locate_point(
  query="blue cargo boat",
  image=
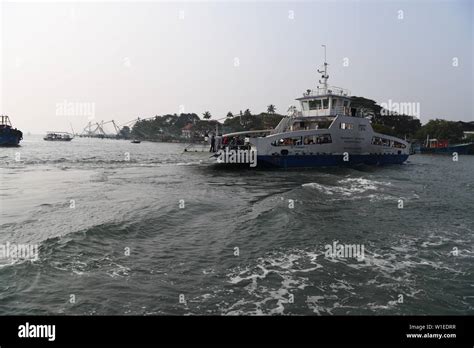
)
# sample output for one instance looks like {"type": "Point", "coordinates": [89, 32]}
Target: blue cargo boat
{"type": "Point", "coordinates": [9, 136]}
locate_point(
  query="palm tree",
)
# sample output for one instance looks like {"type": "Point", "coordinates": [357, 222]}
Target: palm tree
{"type": "Point", "coordinates": [206, 115]}
{"type": "Point", "coordinates": [271, 109]}
{"type": "Point", "coordinates": [230, 115]}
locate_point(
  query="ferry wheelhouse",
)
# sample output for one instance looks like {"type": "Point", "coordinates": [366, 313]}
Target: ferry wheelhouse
{"type": "Point", "coordinates": [327, 131]}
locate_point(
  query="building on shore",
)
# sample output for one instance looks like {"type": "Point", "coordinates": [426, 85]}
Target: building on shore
{"type": "Point", "coordinates": [187, 131]}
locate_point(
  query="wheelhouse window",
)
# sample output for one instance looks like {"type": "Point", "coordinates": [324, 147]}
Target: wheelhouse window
{"type": "Point", "coordinates": [344, 125]}
{"type": "Point", "coordinates": [287, 141]}
{"type": "Point", "coordinates": [315, 104]}
{"type": "Point", "coordinates": [317, 139]}
{"type": "Point", "coordinates": [325, 103]}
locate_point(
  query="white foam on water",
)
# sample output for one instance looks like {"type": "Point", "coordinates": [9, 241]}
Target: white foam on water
{"type": "Point", "coordinates": [349, 186]}
{"type": "Point", "coordinates": [325, 189]}
{"type": "Point", "coordinates": [246, 274]}
{"type": "Point", "coordinates": [119, 271]}
{"type": "Point", "coordinates": [364, 184]}
{"type": "Point", "coordinates": [11, 262]}
{"type": "Point", "coordinates": [377, 197]}
{"type": "Point", "coordinates": [268, 297]}
{"type": "Point", "coordinates": [315, 303]}
{"type": "Point", "coordinates": [194, 163]}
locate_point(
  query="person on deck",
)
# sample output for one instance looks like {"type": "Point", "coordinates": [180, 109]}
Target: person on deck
{"type": "Point", "coordinates": [213, 144]}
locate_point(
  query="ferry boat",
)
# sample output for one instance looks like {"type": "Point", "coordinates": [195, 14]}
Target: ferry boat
{"type": "Point", "coordinates": [327, 131]}
{"type": "Point", "coordinates": [9, 136]}
{"type": "Point", "coordinates": [58, 136]}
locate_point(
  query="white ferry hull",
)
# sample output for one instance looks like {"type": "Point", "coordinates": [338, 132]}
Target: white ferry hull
{"type": "Point", "coordinates": [332, 146]}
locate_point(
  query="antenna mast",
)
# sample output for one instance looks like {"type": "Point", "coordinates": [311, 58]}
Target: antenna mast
{"type": "Point", "coordinates": [324, 72]}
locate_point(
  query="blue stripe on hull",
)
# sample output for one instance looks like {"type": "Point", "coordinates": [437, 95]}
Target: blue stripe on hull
{"type": "Point", "coordinates": [309, 161]}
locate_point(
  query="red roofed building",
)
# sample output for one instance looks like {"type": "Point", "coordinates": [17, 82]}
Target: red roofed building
{"type": "Point", "coordinates": [187, 130]}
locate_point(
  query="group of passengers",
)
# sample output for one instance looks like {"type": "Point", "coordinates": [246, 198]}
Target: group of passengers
{"type": "Point", "coordinates": [319, 140]}
{"type": "Point", "coordinates": [380, 141]}
{"type": "Point", "coordinates": [230, 142]}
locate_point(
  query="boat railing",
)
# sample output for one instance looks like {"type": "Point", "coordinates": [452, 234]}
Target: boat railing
{"type": "Point", "coordinates": [5, 121]}
{"type": "Point", "coordinates": [341, 110]}
{"type": "Point", "coordinates": [333, 90]}
{"type": "Point", "coordinates": [282, 126]}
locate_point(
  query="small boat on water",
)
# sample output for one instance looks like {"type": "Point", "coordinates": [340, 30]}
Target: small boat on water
{"type": "Point", "coordinates": [58, 136]}
{"type": "Point", "coordinates": [326, 132]}
{"type": "Point", "coordinates": [442, 146]}
{"type": "Point", "coordinates": [9, 136]}
{"type": "Point", "coordinates": [135, 141]}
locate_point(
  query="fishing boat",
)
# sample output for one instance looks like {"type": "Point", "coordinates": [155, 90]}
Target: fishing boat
{"type": "Point", "coordinates": [327, 131]}
{"type": "Point", "coordinates": [9, 136]}
{"type": "Point", "coordinates": [58, 136]}
{"type": "Point", "coordinates": [442, 146]}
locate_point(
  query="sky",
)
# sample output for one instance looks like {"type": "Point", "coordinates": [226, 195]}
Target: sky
{"type": "Point", "coordinates": [67, 63]}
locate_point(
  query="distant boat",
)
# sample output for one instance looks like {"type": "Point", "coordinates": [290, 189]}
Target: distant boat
{"type": "Point", "coordinates": [58, 136]}
{"type": "Point", "coordinates": [135, 141]}
{"type": "Point", "coordinates": [442, 146]}
{"type": "Point", "coordinates": [9, 136]}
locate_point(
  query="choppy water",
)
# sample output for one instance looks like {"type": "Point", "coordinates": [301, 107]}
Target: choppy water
{"type": "Point", "coordinates": [281, 267]}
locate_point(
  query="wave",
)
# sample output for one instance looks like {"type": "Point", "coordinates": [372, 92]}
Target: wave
{"type": "Point", "coordinates": [348, 187]}
{"type": "Point", "coordinates": [274, 278]}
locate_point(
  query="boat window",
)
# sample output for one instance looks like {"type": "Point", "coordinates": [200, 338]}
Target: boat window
{"type": "Point", "coordinates": [287, 141]}
{"type": "Point", "coordinates": [344, 125]}
{"type": "Point", "coordinates": [305, 105]}
{"type": "Point", "coordinates": [321, 125]}
{"type": "Point", "coordinates": [377, 141]}
{"type": "Point", "coordinates": [317, 139]}
{"type": "Point", "coordinates": [380, 141]}
{"type": "Point", "coordinates": [362, 127]}
{"type": "Point", "coordinates": [346, 103]}
{"type": "Point", "coordinates": [335, 102]}
{"type": "Point", "coordinates": [325, 103]}
{"type": "Point", "coordinates": [315, 104]}
{"type": "Point", "coordinates": [399, 145]}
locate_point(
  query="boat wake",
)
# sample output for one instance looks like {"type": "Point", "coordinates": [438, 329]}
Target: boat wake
{"type": "Point", "coordinates": [352, 187]}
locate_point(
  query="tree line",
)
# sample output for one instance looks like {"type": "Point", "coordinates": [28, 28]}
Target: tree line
{"type": "Point", "coordinates": [169, 127]}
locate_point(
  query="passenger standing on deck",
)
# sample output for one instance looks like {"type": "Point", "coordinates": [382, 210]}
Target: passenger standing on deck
{"type": "Point", "coordinates": [213, 144]}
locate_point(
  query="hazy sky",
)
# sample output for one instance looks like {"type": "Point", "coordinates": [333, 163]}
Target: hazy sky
{"type": "Point", "coordinates": [127, 59]}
